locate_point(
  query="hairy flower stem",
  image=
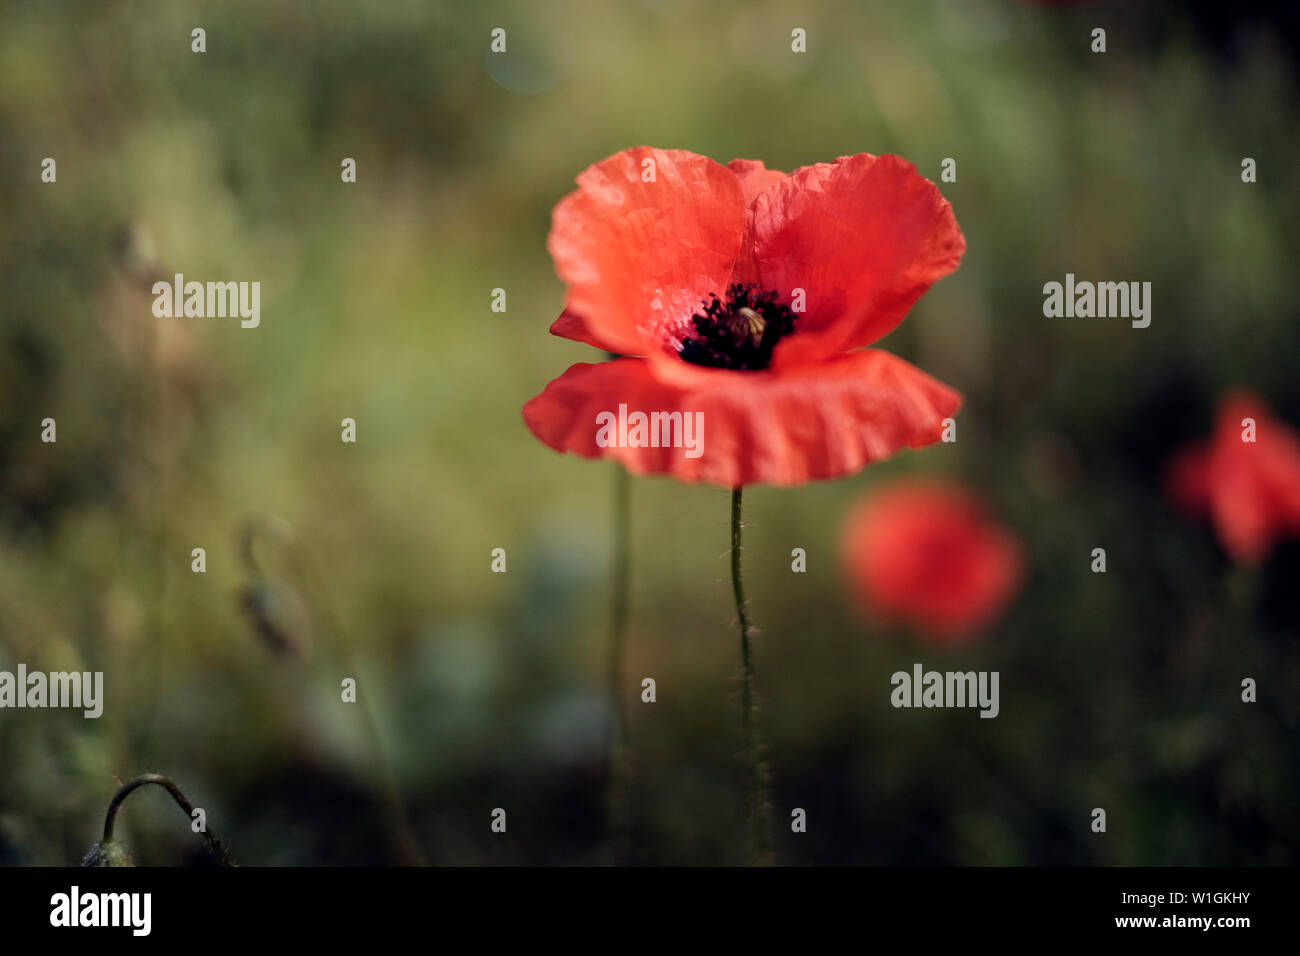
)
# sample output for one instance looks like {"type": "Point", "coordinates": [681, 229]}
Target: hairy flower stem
{"type": "Point", "coordinates": [758, 803]}
{"type": "Point", "coordinates": [181, 800]}
{"type": "Point", "coordinates": [617, 809]}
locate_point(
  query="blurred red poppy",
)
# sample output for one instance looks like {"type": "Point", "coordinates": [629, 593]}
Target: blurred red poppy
{"type": "Point", "coordinates": [925, 553]}
{"type": "Point", "coordinates": [746, 296]}
{"type": "Point", "coordinates": [1246, 477]}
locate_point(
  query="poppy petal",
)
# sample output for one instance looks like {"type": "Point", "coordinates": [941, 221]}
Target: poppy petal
{"type": "Point", "coordinates": [1255, 491]}
{"type": "Point", "coordinates": [1243, 518]}
{"type": "Point", "coordinates": [1247, 476]}
{"type": "Point", "coordinates": [639, 257]}
{"type": "Point", "coordinates": [780, 428]}
{"type": "Point", "coordinates": [570, 326]}
{"type": "Point", "coordinates": [754, 177]}
{"type": "Point", "coordinates": [863, 237]}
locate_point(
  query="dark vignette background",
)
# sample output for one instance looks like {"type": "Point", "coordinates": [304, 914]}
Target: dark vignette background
{"type": "Point", "coordinates": [483, 690]}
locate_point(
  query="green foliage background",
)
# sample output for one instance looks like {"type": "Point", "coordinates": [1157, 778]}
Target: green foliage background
{"type": "Point", "coordinates": [481, 690]}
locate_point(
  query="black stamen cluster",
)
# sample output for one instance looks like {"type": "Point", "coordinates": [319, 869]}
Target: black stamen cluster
{"type": "Point", "coordinates": [725, 337]}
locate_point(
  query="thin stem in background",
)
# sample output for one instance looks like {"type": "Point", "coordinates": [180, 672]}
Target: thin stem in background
{"type": "Point", "coordinates": [617, 808]}
{"type": "Point", "coordinates": [758, 803]}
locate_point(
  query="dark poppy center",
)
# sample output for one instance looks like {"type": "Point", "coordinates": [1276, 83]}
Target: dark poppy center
{"type": "Point", "coordinates": [738, 332]}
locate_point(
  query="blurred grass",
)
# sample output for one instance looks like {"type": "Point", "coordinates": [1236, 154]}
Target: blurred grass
{"type": "Point", "coordinates": [1119, 691]}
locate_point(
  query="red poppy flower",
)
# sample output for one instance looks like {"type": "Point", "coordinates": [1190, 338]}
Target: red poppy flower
{"type": "Point", "coordinates": [745, 297]}
{"type": "Point", "coordinates": [1250, 489]}
{"type": "Point", "coordinates": [925, 553]}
